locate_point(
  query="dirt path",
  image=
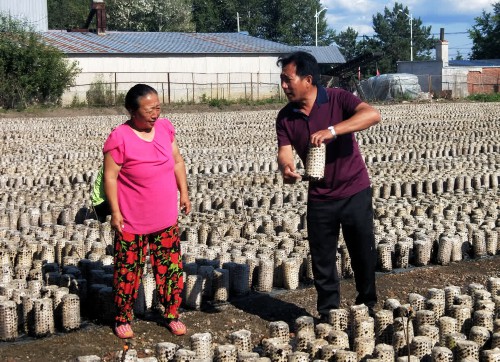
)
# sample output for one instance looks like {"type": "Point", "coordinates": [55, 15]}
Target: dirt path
{"type": "Point", "coordinates": [252, 312]}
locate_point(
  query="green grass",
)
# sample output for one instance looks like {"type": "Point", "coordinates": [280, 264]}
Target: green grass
{"type": "Point", "coordinates": [221, 103]}
{"type": "Point", "coordinates": [483, 97]}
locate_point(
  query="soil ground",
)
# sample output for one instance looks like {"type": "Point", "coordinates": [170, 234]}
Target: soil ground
{"type": "Point", "coordinates": [252, 312]}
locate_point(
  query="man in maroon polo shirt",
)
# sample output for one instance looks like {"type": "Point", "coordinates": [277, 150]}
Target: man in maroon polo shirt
{"type": "Point", "coordinates": [316, 115]}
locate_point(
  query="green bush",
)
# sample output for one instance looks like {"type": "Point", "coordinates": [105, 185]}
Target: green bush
{"type": "Point", "coordinates": [100, 94]}
{"type": "Point", "coordinates": [76, 103]}
{"type": "Point", "coordinates": [218, 103]}
{"type": "Point", "coordinates": [30, 71]}
{"type": "Point", "coordinates": [120, 99]}
{"type": "Point", "coordinates": [483, 97]}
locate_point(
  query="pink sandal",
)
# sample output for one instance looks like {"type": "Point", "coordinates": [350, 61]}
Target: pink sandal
{"type": "Point", "coordinates": [176, 327]}
{"type": "Point", "coordinates": [124, 331]}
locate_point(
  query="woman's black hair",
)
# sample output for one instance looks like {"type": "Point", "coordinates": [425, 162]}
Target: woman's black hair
{"type": "Point", "coordinates": [136, 92]}
{"type": "Point", "coordinates": [305, 62]}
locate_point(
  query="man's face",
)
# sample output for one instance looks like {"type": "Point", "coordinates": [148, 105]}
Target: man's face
{"type": "Point", "coordinates": [294, 86]}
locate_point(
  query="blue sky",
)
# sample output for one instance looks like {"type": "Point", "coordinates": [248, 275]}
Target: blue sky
{"type": "Point", "coordinates": [455, 16]}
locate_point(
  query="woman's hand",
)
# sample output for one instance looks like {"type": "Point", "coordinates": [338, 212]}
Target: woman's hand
{"type": "Point", "coordinates": [117, 221]}
{"type": "Point", "coordinates": [185, 204]}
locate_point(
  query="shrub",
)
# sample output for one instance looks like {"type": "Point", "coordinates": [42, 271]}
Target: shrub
{"type": "Point", "coordinates": [219, 103]}
{"type": "Point", "coordinates": [31, 72]}
{"type": "Point", "coordinates": [100, 94]}
{"type": "Point", "coordinates": [485, 97]}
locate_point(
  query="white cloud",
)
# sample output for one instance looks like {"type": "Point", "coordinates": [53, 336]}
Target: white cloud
{"type": "Point", "coordinates": [352, 7]}
{"type": "Point", "coordinates": [458, 6]}
{"type": "Point", "coordinates": [456, 16]}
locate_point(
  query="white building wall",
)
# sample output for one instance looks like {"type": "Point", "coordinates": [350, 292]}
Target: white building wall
{"type": "Point", "coordinates": [33, 11]}
{"type": "Point", "coordinates": [180, 78]}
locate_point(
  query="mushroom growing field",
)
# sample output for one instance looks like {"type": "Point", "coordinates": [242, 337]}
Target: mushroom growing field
{"type": "Point", "coordinates": [435, 171]}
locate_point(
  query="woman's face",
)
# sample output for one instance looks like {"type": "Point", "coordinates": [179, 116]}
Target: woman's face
{"type": "Point", "coordinates": [145, 116]}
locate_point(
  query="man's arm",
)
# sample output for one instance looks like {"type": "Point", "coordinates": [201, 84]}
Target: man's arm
{"type": "Point", "coordinates": [286, 164]}
{"type": "Point", "coordinates": [364, 117]}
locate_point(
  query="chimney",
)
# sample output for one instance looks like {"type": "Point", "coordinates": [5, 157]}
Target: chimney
{"type": "Point", "coordinates": [442, 49]}
{"type": "Point", "coordinates": [98, 9]}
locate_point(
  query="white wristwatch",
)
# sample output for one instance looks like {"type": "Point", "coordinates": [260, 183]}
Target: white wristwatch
{"type": "Point", "coordinates": [332, 129]}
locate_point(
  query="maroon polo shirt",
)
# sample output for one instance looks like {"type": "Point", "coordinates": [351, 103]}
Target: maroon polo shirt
{"type": "Point", "coordinates": [345, 170]}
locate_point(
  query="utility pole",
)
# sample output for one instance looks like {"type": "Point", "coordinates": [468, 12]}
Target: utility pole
{"type": "Point", "coordinates": [410, 17]}
{"type": "Point", "coordinates": [317, 21]}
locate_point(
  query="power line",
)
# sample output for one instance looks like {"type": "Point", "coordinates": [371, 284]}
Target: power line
{"type": "Point", "coordinates": [446, 33]}
{"type": "Point", "coordinates": [453, 33]}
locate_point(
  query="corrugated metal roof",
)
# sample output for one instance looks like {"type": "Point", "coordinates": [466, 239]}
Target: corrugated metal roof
{"type": "Point", "coordinates": [162, 43]}
{"type": "Point", "coordinates": [326, 54]}
{"type": "Point", "coordinates": [475, 63]}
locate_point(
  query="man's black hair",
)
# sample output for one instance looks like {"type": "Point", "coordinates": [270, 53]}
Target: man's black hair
{"type": "Point", "coordinates": [305, 62]}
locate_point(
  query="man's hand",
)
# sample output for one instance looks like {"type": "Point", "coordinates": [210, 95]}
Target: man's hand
{"type": "Point", "coordinates": [289, 175]}
{"type": "Point", "coordinates": [321, 136]}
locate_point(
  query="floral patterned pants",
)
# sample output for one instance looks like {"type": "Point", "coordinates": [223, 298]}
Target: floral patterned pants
{"type": "Point", "coordinates": [129, 259]}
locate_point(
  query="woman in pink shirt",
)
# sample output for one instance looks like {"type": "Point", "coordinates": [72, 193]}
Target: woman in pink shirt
{"type": "Point", "coordinates": [143, 170]}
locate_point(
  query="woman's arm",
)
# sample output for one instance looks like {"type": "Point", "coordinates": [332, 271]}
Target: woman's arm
{"type": "Point", "coordinates": [111, 170]}
{"type": "Point", "coordinates": [181, 179]}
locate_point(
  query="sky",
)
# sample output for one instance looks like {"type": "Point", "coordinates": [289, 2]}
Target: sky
{"type": "Point", "coordinates": [455, 16]}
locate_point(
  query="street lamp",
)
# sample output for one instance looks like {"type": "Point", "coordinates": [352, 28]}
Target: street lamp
{"type": "Point", "coordinates": [411, 33]}
{"type": "Point", "coordinates": [317, 21]}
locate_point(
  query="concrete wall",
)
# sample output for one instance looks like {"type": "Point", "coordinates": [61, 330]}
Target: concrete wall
{"type": "Point", "coordinates": [434, 78]}
{"type": "Point", "coordinates": [428, 72]}
{"type": "Point", "coordinates": [455, 81]}
{"type": "Point", "coordinates": [180, 78]}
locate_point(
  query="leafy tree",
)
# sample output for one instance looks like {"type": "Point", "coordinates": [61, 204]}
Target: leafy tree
{"type": "Point", "coordinates": [393, 37]}
{"type": "Point", "coordinates": [294, 23]}
{"type": "Point", "coordinates": [67, 14]}
{"type": "Point", "coordinates": [30, 71]}
{"type": "Point", "coordinates": [459, 56]}
{"type": "Point", "coordinates": [485, 35]}
{"type": "Point", "coordinates": [348, 44]}
{"type": "Point", "coordinates": [149, 15]}
{"type": "Point", "coordinates": [215, 16]}
{"type": "Point", "coordinates": [285, 21]}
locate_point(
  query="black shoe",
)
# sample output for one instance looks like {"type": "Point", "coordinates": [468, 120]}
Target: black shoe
{"type": "Point", "coordinates": [371, 312]}
{"type": "Point", "coordinates": [323, 318]}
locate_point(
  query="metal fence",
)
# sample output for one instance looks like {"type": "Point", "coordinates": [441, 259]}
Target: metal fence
{"type": "Point", "coordinates": [180, 87]}
{"type": "Point", "coordinates": [192, 87]}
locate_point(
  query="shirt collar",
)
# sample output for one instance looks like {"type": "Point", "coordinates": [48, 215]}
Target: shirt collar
{"type": "Point", "coordinates": [321, 98]}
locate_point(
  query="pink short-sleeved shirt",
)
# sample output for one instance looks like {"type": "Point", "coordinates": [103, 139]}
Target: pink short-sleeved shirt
{"type": "Point", "coordinates": [147, 189]}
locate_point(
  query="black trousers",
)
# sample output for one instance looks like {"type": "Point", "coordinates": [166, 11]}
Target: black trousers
{"type": "Point", "coordinates": [324, 219]}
